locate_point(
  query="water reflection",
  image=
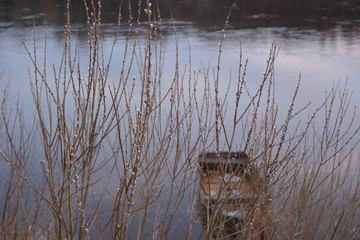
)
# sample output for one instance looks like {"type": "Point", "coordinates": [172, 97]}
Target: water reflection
{"type": "Point", "coordinates": [323, 57]}
{"type": "Point", "coordinates": [245, 13]}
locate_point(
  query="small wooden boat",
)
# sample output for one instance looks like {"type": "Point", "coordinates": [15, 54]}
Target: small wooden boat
{"type": "Point", "coordinates": [227, 195]}
{"type": "Point", "coordinates": [223, 180]}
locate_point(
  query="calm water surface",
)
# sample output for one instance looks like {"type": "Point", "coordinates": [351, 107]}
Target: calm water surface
{"type": "Point", "coordinates": [322, 45]}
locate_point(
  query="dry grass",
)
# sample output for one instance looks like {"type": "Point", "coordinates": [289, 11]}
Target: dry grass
{"type": "Point", "coordinates": [108, 159]}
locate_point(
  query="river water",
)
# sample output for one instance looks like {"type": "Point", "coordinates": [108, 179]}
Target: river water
{"type": "Point", "coordinates": [320, 41]}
